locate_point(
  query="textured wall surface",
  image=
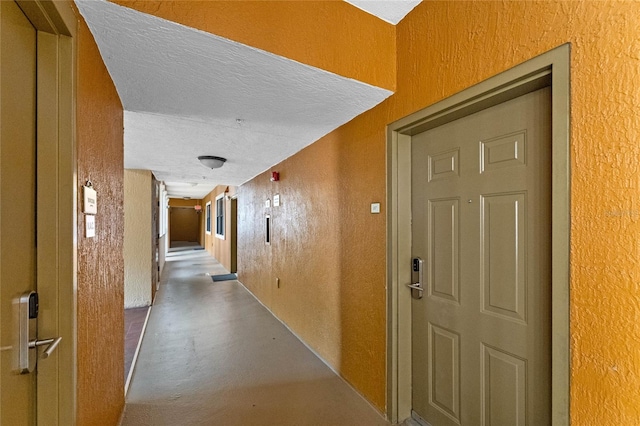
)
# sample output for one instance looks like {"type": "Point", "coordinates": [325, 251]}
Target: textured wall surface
{"type": "Point", "coordinates": [329, 252]}
{"type": "Point", "coordinates": [327, 249]}
{"type": "Point", "coordinates": [451, 46]}
{"type": "Point", "coordinates": [332, 35]}
{"type": "Point", "coordinates": [100, 259]}
{"type": "Point", "coordinates": [138, 250]}
{"type": "Point", "coordinates": [217, 247]}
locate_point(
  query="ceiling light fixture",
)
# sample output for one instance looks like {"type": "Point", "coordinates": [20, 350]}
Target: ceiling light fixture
{"type": "Point", "coordinates": [211, 161]}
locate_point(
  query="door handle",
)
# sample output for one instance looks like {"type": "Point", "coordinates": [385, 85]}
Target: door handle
{"type": "Point", "coordinates": [26, 311]}
{"type": "Point", "coordinates": [51, 344]}
{"type": "Point", "coordinates": [417, 276]}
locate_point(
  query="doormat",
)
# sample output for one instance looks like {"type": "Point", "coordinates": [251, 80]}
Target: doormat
{"type": "Point", "coordinates": [224, 277]}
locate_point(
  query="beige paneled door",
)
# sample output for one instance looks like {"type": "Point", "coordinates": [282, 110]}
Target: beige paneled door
{"type": "Point", "coordinates": [481, 206]}
{"type": "Point", "coordinates": [17, 202]}
{"type": "Point", "coordinates": [37, 213]}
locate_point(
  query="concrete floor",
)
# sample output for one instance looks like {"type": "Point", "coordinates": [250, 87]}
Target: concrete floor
{"type": "Point", "coordinates": [213, 355]}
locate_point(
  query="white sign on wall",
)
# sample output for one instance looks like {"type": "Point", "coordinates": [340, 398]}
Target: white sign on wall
{"type": "Point", "coordinates": [90, 205]}
{"type": "Point", "coordinates": [90, 226]}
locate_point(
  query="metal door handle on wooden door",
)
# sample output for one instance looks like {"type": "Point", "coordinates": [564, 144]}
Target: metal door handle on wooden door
{"type": "Point", "coordinates": [52, 344]}
{"type": "Point", "coordinates": [417, 276]}
{"type": "Point", "coordinates": [26, 313]}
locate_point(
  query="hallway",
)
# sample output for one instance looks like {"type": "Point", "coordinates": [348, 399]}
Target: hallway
{"type": "Point", "coordinates": [213, 355]}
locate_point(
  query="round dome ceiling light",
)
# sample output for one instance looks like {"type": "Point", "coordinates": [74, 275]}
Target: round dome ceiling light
{"type": "Point", "coordinates": [211, 161]}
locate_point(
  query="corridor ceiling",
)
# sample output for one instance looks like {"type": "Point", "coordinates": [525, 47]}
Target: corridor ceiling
{"type": "Point", "coordinates": [187, 93]}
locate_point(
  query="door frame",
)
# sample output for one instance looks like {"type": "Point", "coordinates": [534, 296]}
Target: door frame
{"type": "Point", "coordinates": [551, 68]}
{"type": "Point", "coordinates": [56, 25]}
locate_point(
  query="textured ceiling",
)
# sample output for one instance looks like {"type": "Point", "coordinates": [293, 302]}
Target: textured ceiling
{"type": "Point", "coordinates": [391, 11]}
{"type": "Point", "coordinates": [188, 93]}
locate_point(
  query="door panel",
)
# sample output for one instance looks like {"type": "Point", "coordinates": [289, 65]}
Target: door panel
{"type": "Point", "coordinates": [481, 218]}
{"type": "Point", "coordinates": [503, 261]}
{"type": "Point", "coordinates": [444, 371]}
{"type": "Point", "coordinates": [503, 388]}
{"type": "Point", "coordinates": [443, 249]}
{"type": "Point", "coordinates": [17, 200]}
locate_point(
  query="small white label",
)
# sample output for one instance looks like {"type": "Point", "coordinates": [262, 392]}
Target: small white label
{"type": "Point", "coordinates": [90, 200]}
{"type": "Point", "coordinates": [267, 203]}
{"type": "Point", "coordinates": [375, 207]}
{"type": "Point", "coordinates": [90, 226]}
{"type": "Point", "coordinates": [276, 200]}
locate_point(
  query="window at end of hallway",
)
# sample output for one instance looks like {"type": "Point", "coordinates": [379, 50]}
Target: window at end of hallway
{"type": "Point", "coordinates": [220, 216]}
{"type": "Point", "coordinates": [207, 218]}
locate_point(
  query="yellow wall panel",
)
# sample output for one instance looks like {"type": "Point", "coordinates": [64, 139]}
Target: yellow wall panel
{"type": "Point", "coordinates": [138, 239]}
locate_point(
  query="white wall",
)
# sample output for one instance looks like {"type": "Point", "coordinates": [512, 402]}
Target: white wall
{"type": "Point", "coordinates": [163, 245]}
{"type": "Point", "coordinates": [138, 249]}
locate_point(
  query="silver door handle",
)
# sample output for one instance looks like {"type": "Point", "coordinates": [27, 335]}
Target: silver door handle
{"type": "Point", "coordinates": [26, 308]}
{"type": "Point", "coordinates": [417, 276]}
{"type": "Point", "coordinates": [51, 344]}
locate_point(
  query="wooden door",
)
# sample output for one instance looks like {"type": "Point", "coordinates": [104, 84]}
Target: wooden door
{"type": "Point", "coordinates": [481, 334]}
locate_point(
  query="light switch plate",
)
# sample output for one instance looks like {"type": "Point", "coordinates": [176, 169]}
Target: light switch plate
{"type": "Point", "coordinates": [375, 207]}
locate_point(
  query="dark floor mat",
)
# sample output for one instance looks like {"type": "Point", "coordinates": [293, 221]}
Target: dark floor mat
{"type": "Point", "coordinates": [224, 277]}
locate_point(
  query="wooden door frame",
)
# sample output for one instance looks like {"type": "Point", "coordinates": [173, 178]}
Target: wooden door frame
{"type": "Point", "coordinates": [551, 68]}
{"type": "Point", "coordinates": [56, 25]}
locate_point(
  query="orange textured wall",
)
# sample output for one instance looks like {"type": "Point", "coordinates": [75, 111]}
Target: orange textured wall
{"type": "Point", "coordinates": [100, 387]}
{"type": "Point", "coordinates": [219, 248]}
{"type": "Point", "coordinates": [329, 252]}
{"type": "Point", "coordinates": [452, 45]}
{"type": "Point", "coordinates": [332, 35]}
{"type": "Point", "coordinates": [327, 249]}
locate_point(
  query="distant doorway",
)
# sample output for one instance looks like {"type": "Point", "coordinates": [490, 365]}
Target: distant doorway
{"type": "Point", "coordinates": [184, 226]}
